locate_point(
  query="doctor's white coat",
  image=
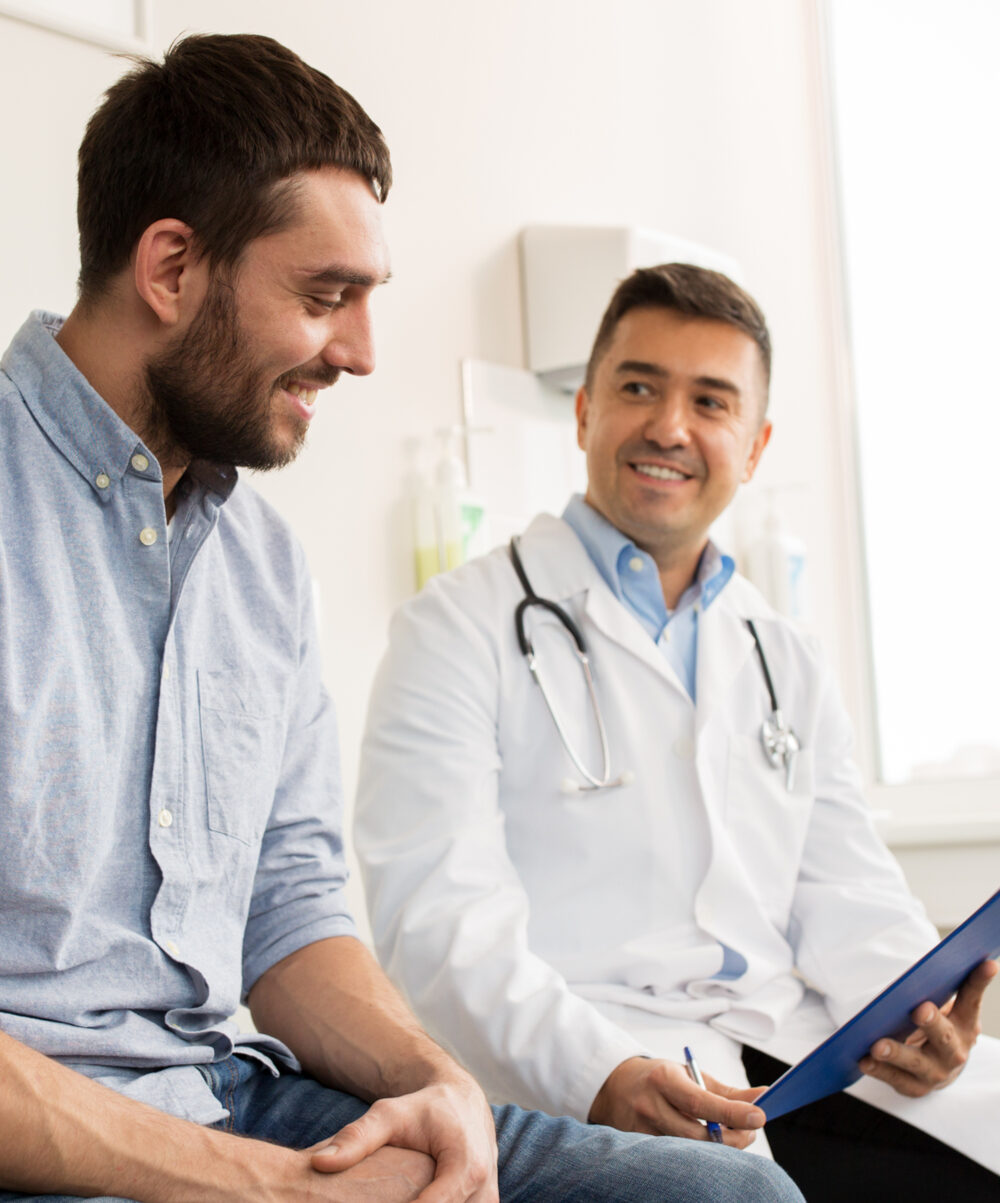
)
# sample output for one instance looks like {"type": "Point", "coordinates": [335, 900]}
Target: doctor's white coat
{"type": "Point", "coordinates": [545, 936]}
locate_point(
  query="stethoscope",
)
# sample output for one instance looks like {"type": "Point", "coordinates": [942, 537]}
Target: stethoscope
{"type": "Point", "coordinates": [780, 743]}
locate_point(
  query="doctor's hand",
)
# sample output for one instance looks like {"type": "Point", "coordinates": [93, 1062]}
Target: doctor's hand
{"type": "Point", "coordinates": [658, 1097]}
{"type": "Point", "coordinates": [448, 1120]}
{"type": "Point", "coordinates": [936, 1053]}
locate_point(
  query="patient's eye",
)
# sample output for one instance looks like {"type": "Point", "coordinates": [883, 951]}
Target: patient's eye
{"type": "Point", "coordinates": [328, 303]}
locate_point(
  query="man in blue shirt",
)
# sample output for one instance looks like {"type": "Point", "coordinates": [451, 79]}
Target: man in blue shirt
{"type": "Point", "coordinates": [169, 794]}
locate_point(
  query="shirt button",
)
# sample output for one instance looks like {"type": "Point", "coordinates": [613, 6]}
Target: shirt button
{"type": "Point", "coordinates": [140, 462]}
{"type": "Point", "coordinates": [165, 817]}
{"type": "Point", "coordinates": [103, 480]}
{"type": "Point", "coordinates": [636, 564]}
{"type": "Point", "coordinates": [166, 670]}
{"type": "Point", "coordinates": [684, 748]}
{"type": "Point", "coordinates": [147, 536]}
{"type": "Point", "coordinates": [173, 950]}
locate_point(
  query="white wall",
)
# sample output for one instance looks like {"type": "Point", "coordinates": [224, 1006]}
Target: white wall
{"type": "Point", "coordinates": [695, 119]}
{"type": "Point", "coordinates": [698, 119]}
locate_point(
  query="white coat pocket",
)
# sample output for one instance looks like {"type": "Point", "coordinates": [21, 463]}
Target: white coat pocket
{"type": "Point", "coordinates": [767, 822]}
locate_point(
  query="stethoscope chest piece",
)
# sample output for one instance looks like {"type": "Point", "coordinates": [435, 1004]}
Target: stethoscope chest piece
{"type": "Point", "coordinates": [781, 746]}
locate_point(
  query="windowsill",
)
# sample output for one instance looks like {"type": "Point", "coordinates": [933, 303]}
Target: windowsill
{"type": "Point", "coordinates": [943, 813]}
{"type": "Point", "coordinates": [938, 830]}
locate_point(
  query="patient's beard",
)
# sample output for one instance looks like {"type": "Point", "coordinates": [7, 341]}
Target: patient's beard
{"type": "Point", "coordinates": [209, 400]}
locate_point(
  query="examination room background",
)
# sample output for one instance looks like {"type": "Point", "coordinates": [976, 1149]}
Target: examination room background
{"type": "Point", "coordinates": [708, 121]}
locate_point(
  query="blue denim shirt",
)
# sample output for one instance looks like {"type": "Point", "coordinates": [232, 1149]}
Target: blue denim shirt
{"type": "Point", "coordinates": [170, 809]}
{"type": "Point", "coordinates": [632, 576]}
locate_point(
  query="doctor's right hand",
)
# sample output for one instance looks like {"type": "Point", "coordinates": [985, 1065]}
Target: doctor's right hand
{"type": "Point", "coordinates": [658, 1097]}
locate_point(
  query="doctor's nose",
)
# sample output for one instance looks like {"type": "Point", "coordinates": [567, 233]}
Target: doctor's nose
{"type": "Point", "coordinates": [668, 425]}
{"type": "Point", "coordinates": [352, 347]}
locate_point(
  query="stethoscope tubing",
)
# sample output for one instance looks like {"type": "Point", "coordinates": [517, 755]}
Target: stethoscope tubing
{"type": "Point", "coordinates": [779, 742]}
{"type": "Point", "coordinates": [531, 598]}
{"type": "Point", "coordinates": [763, 664]}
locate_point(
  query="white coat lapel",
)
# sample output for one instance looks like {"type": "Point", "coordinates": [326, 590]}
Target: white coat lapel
{"type": "Point", "coordinates": [560, 568]}
{"type": "Point", "coordinates": [612, 619]}
{"type": "Point", "coordinates": [724, 644]}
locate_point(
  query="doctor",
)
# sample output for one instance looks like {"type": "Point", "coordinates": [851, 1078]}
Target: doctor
{"type": "Point", "coordinates": [722, 886]}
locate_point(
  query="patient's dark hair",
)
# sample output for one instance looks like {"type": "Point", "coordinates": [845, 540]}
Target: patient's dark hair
{"type": "Point", "coordinates": [211, 137]}
{"type": "Point", "coordinates": [692, 291]}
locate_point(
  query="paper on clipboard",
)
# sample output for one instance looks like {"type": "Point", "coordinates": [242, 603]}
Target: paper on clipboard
{"type": "Point", "coordinates": [833, 1064]}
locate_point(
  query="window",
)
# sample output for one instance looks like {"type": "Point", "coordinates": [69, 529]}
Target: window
{"type": "Point", "coordinates": [916, 96]}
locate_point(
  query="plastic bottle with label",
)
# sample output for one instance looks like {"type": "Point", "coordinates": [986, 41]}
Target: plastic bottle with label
{"type": "Point", "coordinates": [423, 499]}
{"type": "Point", "coordinates": [449, 521]}
{"type": "Point", "coordinates": [460, 515]}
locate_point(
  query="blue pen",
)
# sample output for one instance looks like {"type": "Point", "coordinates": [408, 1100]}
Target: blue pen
{"type": "Point", "coordinates": [714, 1129]}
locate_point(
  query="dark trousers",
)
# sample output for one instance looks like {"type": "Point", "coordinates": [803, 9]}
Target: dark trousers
{"type": "Point", "coordinates": [841, 1150]}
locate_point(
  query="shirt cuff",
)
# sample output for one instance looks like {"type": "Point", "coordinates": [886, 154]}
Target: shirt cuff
{"type": "Point", "coordinates": [258, 961]}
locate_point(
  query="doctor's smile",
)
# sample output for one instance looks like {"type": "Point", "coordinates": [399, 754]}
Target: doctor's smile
{"type": "Point", "coordinates": [661, 472]}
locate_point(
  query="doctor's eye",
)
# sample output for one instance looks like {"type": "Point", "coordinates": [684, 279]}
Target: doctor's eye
{"type": "Point", "coordinates": [707, 401]}
{"type": "Point", "coordinates": [638, 389]}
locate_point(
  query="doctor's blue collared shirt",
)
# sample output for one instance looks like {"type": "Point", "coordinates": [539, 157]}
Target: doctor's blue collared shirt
{"type": "Point", "coordinates": [169, 793]}
{"type": "Point", "coordinates": [632, 576]}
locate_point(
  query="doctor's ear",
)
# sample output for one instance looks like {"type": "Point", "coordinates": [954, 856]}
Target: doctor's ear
{"type": "Point", "coordinates": [760, 441]}
{"type": "Point", "coordinates": [581, 416]}
{"type": "Point", "coordinates": [169, 273]}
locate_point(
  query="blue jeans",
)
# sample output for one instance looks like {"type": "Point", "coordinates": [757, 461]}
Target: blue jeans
{"type": "Point", "coordinates": [542, 1159]}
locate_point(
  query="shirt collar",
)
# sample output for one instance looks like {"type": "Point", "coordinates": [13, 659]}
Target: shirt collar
{"type": "Point", "coordinates": [611, 552]}
{"type": "Point", "coordinates": [78, 420]}
{"type": "Point", "coordinates": [714, 570]}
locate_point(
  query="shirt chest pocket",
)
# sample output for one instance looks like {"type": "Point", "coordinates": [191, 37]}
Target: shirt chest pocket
{"type": "Point", "coordinates": [242, 735]}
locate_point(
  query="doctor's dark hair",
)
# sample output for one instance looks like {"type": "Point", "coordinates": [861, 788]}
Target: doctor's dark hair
{"type": "Point", "coordinates": [213, 137]}
{"type": "Point", "coordinates": [691, 291]}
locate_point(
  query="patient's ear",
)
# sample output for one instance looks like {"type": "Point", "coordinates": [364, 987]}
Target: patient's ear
{"type": "Point", "coordinates": [169, 274]}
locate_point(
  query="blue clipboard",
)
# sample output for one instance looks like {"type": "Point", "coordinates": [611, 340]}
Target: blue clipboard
{"type": "Point", "coordinates": [833, 1064]}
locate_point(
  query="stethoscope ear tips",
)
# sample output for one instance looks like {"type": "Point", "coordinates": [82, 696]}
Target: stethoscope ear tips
{"type": "Point", "coordinates": [569, 786]}
{"type": "Point", "coordinates": [627, 777]}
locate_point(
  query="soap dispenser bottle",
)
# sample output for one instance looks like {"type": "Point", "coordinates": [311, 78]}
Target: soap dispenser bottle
{"type": "Point", "coordinates": [460, 515]}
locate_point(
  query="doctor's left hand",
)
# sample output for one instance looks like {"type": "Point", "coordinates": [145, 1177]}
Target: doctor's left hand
{"type": "Point", "coordinates": [936, 1053]}
{"type": "Point", "coordinates": [658, 1097]}
{"type": "Point", "coordinates": [450, 1120]}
